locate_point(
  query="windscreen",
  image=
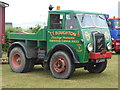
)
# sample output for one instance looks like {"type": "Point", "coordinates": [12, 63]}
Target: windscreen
{"type": "Point", "coordinates": [88, 20]}
{"type": "Point", "coordinates": [117, 24]}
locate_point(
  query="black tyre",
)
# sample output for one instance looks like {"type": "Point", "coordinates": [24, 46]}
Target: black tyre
{"type": "Point", "coordinates": [18, 62]}
{"type": "Point", "coordinates": [61, 65]}
{"type": "Point", "coordinates": [117, 51]}
{"type": "Point", "coordinates": [97, 67]}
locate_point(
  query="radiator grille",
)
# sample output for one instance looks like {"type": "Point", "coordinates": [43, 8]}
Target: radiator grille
{"type": "Point", "coordinates": [99, 41]}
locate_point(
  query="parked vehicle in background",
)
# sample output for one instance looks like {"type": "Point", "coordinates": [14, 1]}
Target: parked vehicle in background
{"type": "Point", "coordinates": [114, 27]}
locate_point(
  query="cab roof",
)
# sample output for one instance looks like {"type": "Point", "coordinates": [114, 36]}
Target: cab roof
{"type": "Point", "coordinates": [114, 18]}
{"type": "Point", "coordinates": [72, 11]}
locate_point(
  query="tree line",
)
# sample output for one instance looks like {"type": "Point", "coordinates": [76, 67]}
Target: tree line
{"type": "Point", "coordinates": [11, 29]}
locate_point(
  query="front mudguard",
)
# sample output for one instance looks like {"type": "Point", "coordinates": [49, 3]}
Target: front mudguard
{"type": "Point", "coordinates": [63, 47]}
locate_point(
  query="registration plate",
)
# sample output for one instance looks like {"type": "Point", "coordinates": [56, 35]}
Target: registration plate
{"type": "Point", "coordinates": [100, 60]}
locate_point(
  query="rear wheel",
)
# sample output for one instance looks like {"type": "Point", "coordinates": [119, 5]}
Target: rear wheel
{"type": "Point", "coordinates": [18, 62]}
{"type": "Point", "coordinates": [61, 65]}
{"type": "Point", "coordinates": [97, 67]}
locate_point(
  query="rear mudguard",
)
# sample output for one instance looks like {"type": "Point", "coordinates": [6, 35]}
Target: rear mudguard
{"type": "Point", "coordinates": [30, 52]}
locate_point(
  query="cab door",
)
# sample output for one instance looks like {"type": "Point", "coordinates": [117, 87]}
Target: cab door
{"type": "Point", "coordinates": [55, 25]}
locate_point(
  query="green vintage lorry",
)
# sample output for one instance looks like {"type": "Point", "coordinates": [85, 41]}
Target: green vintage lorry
{"type": "Point", "coordinates": [72, 39]}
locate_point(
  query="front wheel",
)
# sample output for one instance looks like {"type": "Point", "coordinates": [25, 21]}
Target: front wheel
{"type": "Point", "coordinates": [97, 67]}
{"type": "Point", "coordinates": [117, 51]}
{"type": "Point", "coordinates": [61, 65]}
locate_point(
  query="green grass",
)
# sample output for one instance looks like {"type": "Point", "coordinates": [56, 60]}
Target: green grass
{"type": "Point", "coordinates": [39, 78]}
{"type": "Point", "coordinates": [4, 55]}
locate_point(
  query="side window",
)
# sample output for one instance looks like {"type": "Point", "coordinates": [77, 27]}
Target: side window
{"type": "Point", "coordinates": [71, 22]}
{"type": "Point", "coordinates": [56, 21]}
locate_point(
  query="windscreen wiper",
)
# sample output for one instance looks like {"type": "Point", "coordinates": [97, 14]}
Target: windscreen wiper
{"type": "Point", "coordinates": [83, 17]}
{"type": "Point", "coordinates": [101, 17]}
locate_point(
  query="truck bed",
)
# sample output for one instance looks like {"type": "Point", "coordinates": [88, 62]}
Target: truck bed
{"type": "Point", "coordinates": [40, 35]}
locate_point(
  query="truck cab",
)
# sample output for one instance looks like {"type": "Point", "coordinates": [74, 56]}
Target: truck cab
{"type": "Point", "coordinates": [114, 26]}
{"type": "Point", "coordinates": [72, 39]}
{"type": "Point", "coordinates": [81, 30]}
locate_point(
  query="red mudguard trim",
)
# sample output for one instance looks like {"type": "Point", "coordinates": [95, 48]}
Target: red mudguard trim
{"type": "Point", "coordinates": [103, 54]}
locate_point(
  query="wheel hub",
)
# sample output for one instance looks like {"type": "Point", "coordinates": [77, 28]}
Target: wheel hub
{"type": "Point", "coordinates": [59, 65]}
{"type": "Point", "coordinates": [16, 60]}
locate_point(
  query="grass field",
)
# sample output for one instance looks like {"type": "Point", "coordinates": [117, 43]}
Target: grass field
{"type": "Point", "coordinates": [4, 55]}
{"type": "Point", "coordinates": [39, 78]}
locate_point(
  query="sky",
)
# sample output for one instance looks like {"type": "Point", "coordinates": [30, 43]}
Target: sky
{"type": "Point", "coordinates": [30, 11]}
